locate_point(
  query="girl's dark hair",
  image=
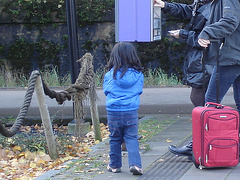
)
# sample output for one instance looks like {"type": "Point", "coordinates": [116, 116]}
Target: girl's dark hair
{"type": "Point", "coordinates": [122, 57]}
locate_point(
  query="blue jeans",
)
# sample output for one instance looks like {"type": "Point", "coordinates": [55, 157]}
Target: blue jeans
{"type": "Point", "coordinates": [123, 126]}
{"type": "Point", "coordinates": [228, 75]}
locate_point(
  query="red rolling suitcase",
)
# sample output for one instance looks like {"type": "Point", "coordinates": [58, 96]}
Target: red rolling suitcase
{"type": "Point", "coordinates": [215, 133]}
{"type": "Point", "coordinates": [215, 136]}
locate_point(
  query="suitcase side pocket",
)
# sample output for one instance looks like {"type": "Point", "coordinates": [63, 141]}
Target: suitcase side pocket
{"type": "Point", "coordinates": [223, 121]}
{"type": "Point", "coordinates": [222, 152]}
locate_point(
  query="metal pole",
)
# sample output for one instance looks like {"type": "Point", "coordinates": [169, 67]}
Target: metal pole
{"type": "Point", "coordinates": [72, 38]}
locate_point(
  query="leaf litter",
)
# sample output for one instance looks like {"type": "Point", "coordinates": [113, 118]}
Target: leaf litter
{"type": "Point", "coordinates": [25, 155]}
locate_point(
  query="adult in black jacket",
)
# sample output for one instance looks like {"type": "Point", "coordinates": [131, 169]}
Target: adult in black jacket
{"type": "Point", "coordinates": [194, 76]}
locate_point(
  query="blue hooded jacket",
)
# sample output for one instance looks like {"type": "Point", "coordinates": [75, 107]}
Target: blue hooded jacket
{"type": "Point", "coordinates": [123, 93]}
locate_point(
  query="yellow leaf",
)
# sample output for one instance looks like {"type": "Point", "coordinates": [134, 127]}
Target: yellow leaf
{"type": "Point", "coordinates": [97, 141]}
{"type": "Point", "coordinates": [169, 140]}
{"type": "Point", "coordinates": [92, 170]}
{"type": "Point", "coordinates": [29, 155]}
{"type": "Point", "coordinates": [24, 178]}
{"type": "Point", "coordinates": [69, 146]}
{"type": "Point", "coordinates": [33, 165]}
{"type": "Point", "coordinates": [79, 171]}
{"type": "Point", "coordinates": [41, 153]}
{"type": "Point", "coordinates": [32, 174]}
{"type": "Point", "coordinates": [41, 161]}
{"type": "Point", "coordinates": [39, 169]}
{"type": "Point", "coordinates": [22, 161]}
{"type": "Point", "coordinates": [10, 155]}
{"type": "Point", "coordinates": [21, 154]}
{"type": "Point", "coordinates": [16, 148]}
{"type": "Point", "coordinates": [37, 127]}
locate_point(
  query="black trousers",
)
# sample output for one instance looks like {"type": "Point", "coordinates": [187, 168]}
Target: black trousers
{"type": "Point", "coordinates": [197, 96]}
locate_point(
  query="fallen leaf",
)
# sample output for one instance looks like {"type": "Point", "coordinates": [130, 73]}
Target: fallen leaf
{"type": "Point", "coordinates": [16, 148]}
{"type": "Point", "coordinates": [168, 140]}
{"type": "Point", "coordinates": [33, 165]}
{"type": "Point", "coordinates": [97, 141]}
{"type": "Point", "coordinates": [160, 160]}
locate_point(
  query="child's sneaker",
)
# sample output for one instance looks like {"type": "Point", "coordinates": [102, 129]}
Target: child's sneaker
{"type": "Point", "coordinates": [136, 170]}
{"type": "Point", "coordinates": [117, 170]}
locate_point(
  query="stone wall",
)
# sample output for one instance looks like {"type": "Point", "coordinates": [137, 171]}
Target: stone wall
{"type": "Point", "coordinates": [94, 38]}
{"type": "Point", "coordinates": [97, 39]}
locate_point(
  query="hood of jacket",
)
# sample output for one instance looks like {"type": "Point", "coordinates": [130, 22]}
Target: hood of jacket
{"type": "Point", "coordinates": [123, 93]}
{"type": "Point", "coordinates": [128, 80]}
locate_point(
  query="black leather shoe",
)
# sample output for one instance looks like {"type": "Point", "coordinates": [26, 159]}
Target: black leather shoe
{"type": "Point", "coordinates": [181, 151]}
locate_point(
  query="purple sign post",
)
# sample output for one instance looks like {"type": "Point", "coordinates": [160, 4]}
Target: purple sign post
{"type": "Point", "coordinates": [137, 20]}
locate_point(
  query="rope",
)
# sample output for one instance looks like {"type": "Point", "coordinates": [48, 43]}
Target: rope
{"type": "Point", "coordinates": [79, 89]}
{"type": "Point", "coordinates": [59, 96]}
{"type": "Point", "coordinates": [24, 108]}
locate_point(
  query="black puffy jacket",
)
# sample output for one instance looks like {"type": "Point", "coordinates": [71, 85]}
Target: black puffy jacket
{"type": "Point", "coordinates": [192, 68]}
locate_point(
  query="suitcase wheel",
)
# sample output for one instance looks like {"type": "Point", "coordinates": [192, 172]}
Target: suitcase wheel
{"type": "Point", "coordinates": [194, 162]}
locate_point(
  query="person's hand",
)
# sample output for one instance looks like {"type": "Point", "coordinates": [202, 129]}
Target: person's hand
{"type": "Point", "coordinates": [159, 3]}
{"type": "Point", "coordinates": [203, 42]}
{"type": "Point", "coordinates": [175, 33]}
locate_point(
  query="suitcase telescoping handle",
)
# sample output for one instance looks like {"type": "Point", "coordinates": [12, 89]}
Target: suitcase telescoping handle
{"type": "Point", "coordinates": [217, 72]}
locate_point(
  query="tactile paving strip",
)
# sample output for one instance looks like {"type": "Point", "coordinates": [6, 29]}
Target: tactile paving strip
{"type": "Point", "coordinates": [168, 167]}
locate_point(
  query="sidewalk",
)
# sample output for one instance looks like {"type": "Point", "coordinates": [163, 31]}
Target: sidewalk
{"type": "Point", "coordinates": [158, 163]}
{"type": "Point", "coordinates": [161, 103]}
{"type": "Point", "coordinates": [165, 100]}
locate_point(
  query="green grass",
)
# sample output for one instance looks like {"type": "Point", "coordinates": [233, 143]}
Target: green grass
{"type": "Point", "coordinates": [10, 79]}
{"type": "Point", "coordinates": [15, 79]}
{"type": "Point", "coordinates": [157, 77]}
{"type": "Point", "coordinates": [52, 78]}
{"type": "Point", "coordinates": [151, 127]}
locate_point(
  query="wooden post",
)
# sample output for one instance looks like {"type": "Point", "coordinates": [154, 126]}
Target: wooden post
{"type": "Point", "coordinates": [95, 119]}
{"type": "Point", "coordinates": [79, 116]}
{"type": "Point", "coordinates": [94, 112]}
{"type": "Point", "coordinates": [46, 119]}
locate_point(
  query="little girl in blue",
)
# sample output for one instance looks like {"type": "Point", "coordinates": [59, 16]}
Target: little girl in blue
{"type": "Point", "coordinates": [123, 84]}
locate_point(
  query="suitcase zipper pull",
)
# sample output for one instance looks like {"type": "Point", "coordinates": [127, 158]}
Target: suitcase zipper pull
{"type": "Point", "coordinates": [210, 147]}
{"type": "Point", "coordinates": [206, 158]}
{"type": "Point", "coordinates": [206, 127]}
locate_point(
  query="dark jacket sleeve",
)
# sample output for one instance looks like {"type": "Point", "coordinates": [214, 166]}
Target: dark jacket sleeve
{"type": "Point", "coordinates": [182, 11]}
{"type": "Point", "coordinates": [226, 25]}
{"type": "Point", "coordinates": [191, 37]}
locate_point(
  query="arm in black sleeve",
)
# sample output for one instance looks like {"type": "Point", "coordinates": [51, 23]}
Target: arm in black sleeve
{"type": "Point", "coordinates": [191, 37]}
{"type": "Point", "coordinates": [182, 11]}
